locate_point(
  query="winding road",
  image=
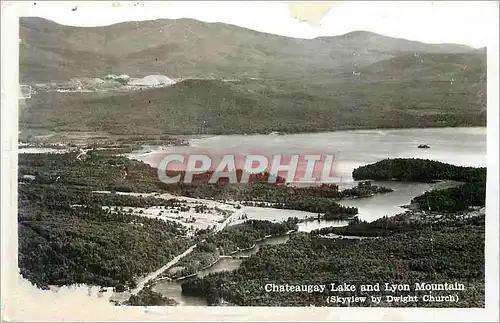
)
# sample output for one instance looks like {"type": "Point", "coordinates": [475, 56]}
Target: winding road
{"type": "Point", "coordinates": [142, 281]}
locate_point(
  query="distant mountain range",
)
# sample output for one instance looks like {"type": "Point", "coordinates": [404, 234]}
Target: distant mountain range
{"type": "Point", "coordinates": [357, 80]}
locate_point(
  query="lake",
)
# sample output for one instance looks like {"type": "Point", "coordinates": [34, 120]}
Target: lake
{"type": "Point", "coordinates": [173, 289]}
{"type": "Point", "coordinates": [354, 148]}
{"type": "Point", "coordinates": [458, 146]}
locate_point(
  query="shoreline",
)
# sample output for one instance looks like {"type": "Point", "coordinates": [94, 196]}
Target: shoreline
{"type": "Point", "coordinates": [189, 137]}
{"type": "Point", "coordinates": [354, 129]}
{"type": "Point", "coordinates": [221, 257]}
{"type": "Point", "coordinates": [253, 246]}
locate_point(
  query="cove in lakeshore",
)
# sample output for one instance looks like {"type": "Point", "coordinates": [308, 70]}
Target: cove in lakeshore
{"type": "Point", "coordinates": [457, 146]}
{"type": "Point", "coordinates": [173, 289]}
{"type": "Point", "coordinates": [353, 148]}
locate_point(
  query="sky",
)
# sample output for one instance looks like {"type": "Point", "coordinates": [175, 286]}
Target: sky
{"type": "Point", "coordinates": [471, 23]}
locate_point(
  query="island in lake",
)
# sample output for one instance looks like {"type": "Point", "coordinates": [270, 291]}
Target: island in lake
{"type": "Point", "coordinates": [111, 216]}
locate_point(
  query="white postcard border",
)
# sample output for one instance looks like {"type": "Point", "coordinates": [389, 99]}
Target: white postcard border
{"type": "Point", "coordinates": [22, 302]}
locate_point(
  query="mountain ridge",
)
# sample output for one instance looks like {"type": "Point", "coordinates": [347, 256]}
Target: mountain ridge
{"type": "Point", "coordinates": [277, 83]}
{"type": "Point", "coordinates": [30, 19]}
{"type": "Point", "coordinates": [218, 107]}
{"type": "Point", "coordinates": [187, 47]}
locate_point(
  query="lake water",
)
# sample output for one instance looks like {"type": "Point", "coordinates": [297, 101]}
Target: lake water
{"type": "Point", "coordinates": [280, 215]}
{"type": "Point", "coordinates": [173, 289]}
{"type": "Point", "coordinates": [458, 146]}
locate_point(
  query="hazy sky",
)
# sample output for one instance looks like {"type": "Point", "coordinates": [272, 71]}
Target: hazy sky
{"type": "Point", "coordinates": [470, 23]}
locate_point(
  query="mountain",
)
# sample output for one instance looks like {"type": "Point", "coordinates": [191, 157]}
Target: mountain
{"type": "Point", "coordinates": [186, 48]}
{"type": "Point", "coordinates": [235, 80]}
{"type": "Point", "coordinates": [218, 107]}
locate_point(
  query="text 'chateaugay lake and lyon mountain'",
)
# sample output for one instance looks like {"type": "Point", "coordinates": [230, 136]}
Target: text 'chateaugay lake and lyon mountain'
{"type": "Point", "coordinates": [189, 77]}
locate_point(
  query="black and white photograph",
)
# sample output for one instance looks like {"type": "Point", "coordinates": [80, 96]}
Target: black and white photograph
{"type": "Point", "coordinates": [181, 157]}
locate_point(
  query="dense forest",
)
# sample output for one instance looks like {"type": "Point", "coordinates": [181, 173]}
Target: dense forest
{"type": "Point", "coordinates": [226, 242]}
{"type": "Point", "coordinates": [452, 251]}
{"type": "Point", "coordinates": [418, 170]}
{"type": "Point", "coordinates": [384, 226]}
{"type": "Point", "coordinates": [68, 234]}
{"type": "Point", "coordinates": [98, 170]}
{"type": "Point", "coordinates": [65, 235]}
{"type": "Point", "coordinates": [64, 245]}
{"type": "Point", "coordinates": [95, 170]}
{"type": "Point", "coordinates": [440, 240]}
{"type": "Point", "coordinates": [472, 191]}
{"type": "Point", "coordinates": [148, 297]}
{"type": "Point", "coordinates": [455, 198]}
{"type": "Point", "coordinates": [328, 210]}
